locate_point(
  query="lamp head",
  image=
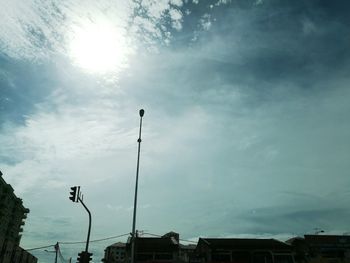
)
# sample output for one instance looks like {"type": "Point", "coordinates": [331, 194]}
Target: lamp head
{"type": "Point", "coordinates": [142, 112]}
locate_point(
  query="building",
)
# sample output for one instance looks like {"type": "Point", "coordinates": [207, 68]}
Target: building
{"type": "Point", "coordinates": [221, 250]}
{"type": "Point", "coordinates": [155, 249]}
{"type": "Point", "coordinates": [187, 252]}
{"type": "Point", "coordinates": [321, 248]}
{"type": "Point", "coordinates": [12, 215]}
{"type": "Point", "coordinates": [160, 249]}
{"type": "Point", "coordinates": [23, 256]}
{"type": "Point", "coordinates": [115, 253]}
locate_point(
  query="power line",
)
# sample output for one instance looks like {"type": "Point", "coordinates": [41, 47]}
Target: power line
{"type": "Point", "coordinates": [101, 239]}
{"type": "Point", "coordinates": [96, 240]}
{"type": "Point", "coordinates": [107, 238]}
{"type": "Point", "coordinates": [155, 235]}
{"type": "Point", "coordinates": [78, 242]}
{"type": "Point", "coordinates": [40, 247]}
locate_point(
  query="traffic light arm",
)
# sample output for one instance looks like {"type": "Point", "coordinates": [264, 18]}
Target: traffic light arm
{"type": "Point", "coordinates": [88, 235]}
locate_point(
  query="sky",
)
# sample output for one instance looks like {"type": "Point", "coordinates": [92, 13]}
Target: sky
{"type": "Point", "coordinates": [246, 125]}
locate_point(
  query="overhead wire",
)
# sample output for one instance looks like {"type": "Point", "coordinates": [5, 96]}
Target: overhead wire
{"type": "Point", "coordinates": [78, 242]}
{"type": "Point", "coordinates": [156, 235]}
{"type": "Point", "coordinates": [61, 256]}
{"type": "Point", "coordinates": [92, 241]}
{"type": "Point", "coordinates": [95, 240]}
{"type": "Point", "coordinates": [36, 248]}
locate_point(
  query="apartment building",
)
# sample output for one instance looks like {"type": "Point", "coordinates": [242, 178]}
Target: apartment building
{"type": "Point", "coordinates": [115, 253]}
{"type": "Point", "coordinates": [321, 248]}
{"type": "Point", "coordinates": [242, 250]}
{"type": "Point", "coordinates": [12, 216]}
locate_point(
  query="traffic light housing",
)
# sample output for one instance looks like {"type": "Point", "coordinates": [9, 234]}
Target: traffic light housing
{"type": "Point", "coordinates": [80, 257]}
{"type": "Point", "coordinates": [74, 194]}
{"type": "Point", "coordinates": [84, 257]}
{"type": "Point", "coordinates": [88, 257]}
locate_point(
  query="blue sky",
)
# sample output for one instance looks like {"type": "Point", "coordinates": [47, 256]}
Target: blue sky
{"type": "Point", "coordinates": [246, 124]}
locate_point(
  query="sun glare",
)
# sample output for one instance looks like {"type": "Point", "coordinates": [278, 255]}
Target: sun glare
{"type": "Point", "coordinates": [99, 48]}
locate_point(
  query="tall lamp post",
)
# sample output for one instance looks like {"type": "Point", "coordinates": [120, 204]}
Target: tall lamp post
{"type": "Point", "coordinates": [141, 112]}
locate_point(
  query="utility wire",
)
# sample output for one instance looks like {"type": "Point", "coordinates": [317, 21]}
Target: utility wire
{"type": "Point", "coordinates": [61, 256]}
{"type": "Point", "coordinates": [40, 247]}
{"type": "Point", "coordinates": [96, 240]}
{"type": "Point", "coordinates": [155, 235]}
{"type": "Point", "coordinates": [78, 242]}
{"type": "Point", "coordinates": [101, 239]}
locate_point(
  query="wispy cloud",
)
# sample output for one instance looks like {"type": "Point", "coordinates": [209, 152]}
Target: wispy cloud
{"type": "Point", "coordinates": [46, 27]}
{"type": "Point", "coordinates": [245, 126]}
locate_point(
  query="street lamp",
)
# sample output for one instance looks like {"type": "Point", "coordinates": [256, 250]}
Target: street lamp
{"type": "Point", "coordinates": [141, 113]}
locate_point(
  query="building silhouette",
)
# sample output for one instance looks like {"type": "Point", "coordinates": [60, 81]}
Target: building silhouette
{"type": "Point", "coordinates": [242, 250]}
{"type": "Point", "coordinates": [166, 248]}
{"type": "Point", "coordinates": [12, 216]}
{"type": "Point", "coordinates": [155, 249]}
{"type": "Point", "coordinates": [321, 248]}
{"type": "Point", "coordinates": [115, 253]}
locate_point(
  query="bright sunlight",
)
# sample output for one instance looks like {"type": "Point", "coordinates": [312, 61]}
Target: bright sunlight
{"type": "Point", "coordinates": [99, 48]}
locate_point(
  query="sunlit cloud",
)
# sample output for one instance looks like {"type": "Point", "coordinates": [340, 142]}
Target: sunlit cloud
{"type": "Point", "coordinates": [245, 125]}
{"type": "Point", "coordinates": [96, 35]}
{"type": "Point", "coordinates": [100, 47]}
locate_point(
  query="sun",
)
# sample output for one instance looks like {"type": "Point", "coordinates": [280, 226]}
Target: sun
{"type": "Point", "coordinates": [99, 47]}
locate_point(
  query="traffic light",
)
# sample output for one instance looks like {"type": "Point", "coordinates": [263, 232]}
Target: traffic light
{"type": "Point", "coordinates": [80, 257]}
{"type": "Point", "coordinates": [84, 257]}
{"type": "Point", "coordinates": [74, 194]}
{"type": "Point", "coordinates": [88, 257]}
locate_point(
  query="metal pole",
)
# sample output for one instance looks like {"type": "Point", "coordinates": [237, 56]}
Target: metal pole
{"type": "Point", "coordinates": [142, 112]}
{"type": "Point", "coordinates": [88, 235]}
{"type": "Point", "coordinates": [56, 250]}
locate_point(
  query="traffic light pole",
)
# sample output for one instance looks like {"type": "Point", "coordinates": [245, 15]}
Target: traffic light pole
{"type": "Point", "coordinates": [88, 235]}
{"type": "Point", "coordinates": [85, 256]}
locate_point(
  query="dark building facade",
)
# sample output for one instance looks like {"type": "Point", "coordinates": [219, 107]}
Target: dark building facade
{"type": "Point", "coordinates": [321, 248]}
{"type": "Point", "coordinates": [12, 215]}
{"type": "Point", "coordinates": [222, 250]}
{"type": "Point", "coordinates": [162, 249]}
{"type": "Point", "coordinates": [156, 249]}
{"type": "Point", "coordinates": [167, 249]}
{"type": "Point", "coordinates": [115, 253]}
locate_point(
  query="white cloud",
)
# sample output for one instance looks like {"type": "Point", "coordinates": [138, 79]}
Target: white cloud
{"type": "Point", "coordinates": [223, 2]}
{"type": "Point", "coordinates": [46, 27]}
{"type": "Point", "coordinates": [209, 138]}
{"type": "Point", "coordinates": [177, 3]}
{"type": "Point", "coordinates": [49, 141]}
{"type": "Point", "coordinates": [205, 22]}
{"type": "Point", "coordinates": [176, 17]}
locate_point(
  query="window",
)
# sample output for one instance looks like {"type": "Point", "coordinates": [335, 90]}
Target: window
{"type": "Point", "coordinates": [283, 259]}
{"type": "Point", "coordinates": [144, 257]}
{"type": "Point", "coordinates": [241, 257]}
{"type": "Point", "coordinates": [164, 256]}
{"type": "Point", "coordinates": [262, 257]}
{"type": "Point", "coordinates": [221, 257]}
